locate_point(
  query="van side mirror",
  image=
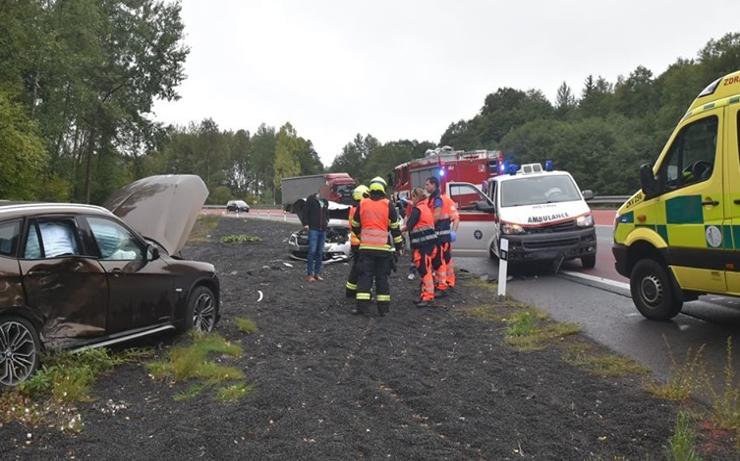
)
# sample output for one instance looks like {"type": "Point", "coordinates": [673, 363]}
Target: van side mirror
{"type": "Point", "coordinates": [484, 206]}
{"type": "Point", "coordinates": [588, 194]}
{"type": "Point", "coordinates": [648, 183]}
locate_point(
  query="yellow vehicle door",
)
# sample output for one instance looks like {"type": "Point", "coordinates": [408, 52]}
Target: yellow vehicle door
{"type": "Point", "coordinates": [691, 178]}
{"type": "Point", "coordinates": [732, 191]}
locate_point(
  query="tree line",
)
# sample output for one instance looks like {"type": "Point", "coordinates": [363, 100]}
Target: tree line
{"type": "Point", "coordinates": [78, 79]}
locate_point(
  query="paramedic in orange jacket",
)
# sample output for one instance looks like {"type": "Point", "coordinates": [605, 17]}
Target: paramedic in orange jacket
{"type": "Point", "coordinates": [446, 221]}
{"type": "Point", "coordinates": [374, 219]}
{"type": "Point", "coordinates": [423, 238]}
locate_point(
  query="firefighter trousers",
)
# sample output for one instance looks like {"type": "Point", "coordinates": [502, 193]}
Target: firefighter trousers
{"type": "Point", "coordinates": [423, 263]}
{"type": "Point", "coordinates": [374, 266]}
{"type": "Point", "coordinates": [351, 285]}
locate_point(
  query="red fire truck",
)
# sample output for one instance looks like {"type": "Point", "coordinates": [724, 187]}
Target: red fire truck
{"type": "Point", "coordinates": [463, 176]}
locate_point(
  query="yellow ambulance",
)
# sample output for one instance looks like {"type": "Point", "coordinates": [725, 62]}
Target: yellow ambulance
{"type": "Point", "coordinates": [679, 237]}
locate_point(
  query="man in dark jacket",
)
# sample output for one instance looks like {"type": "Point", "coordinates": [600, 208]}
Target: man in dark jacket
{"type": "Point", "coordinates": [316, 219]}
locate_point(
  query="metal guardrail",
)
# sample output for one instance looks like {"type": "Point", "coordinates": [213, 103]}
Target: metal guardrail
{"type": "Point", "coordinates": [608, 200]}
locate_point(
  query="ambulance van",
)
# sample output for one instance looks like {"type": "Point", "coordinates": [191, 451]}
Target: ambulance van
{"type": "Point", "coordinates": [679, 236]}
{"type": "Point", "coordinates": [543, 215]}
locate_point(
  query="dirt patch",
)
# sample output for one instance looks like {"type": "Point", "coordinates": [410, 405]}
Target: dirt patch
{"type": "Point", "coordinates": [417, 384]}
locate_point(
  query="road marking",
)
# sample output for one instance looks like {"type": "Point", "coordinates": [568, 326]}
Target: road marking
{"type": "Point", "coordinates": [593, 278]}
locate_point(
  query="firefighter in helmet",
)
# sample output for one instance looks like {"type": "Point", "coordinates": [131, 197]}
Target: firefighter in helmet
{"type": "Point", "coordinates": [373, 220]}
{"type": "Point", "coordinates": [360, 192]}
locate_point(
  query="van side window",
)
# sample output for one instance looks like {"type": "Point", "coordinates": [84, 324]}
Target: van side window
{"type": "Point", "coordinates": [690, 159]}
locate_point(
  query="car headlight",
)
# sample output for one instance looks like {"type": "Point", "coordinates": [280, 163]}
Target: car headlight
{"type": "Point", "coordinates": [585, 221]}
{"type": "Point", "coordinates": [511, 228]}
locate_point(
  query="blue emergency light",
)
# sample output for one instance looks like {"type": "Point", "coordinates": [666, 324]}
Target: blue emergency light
{"type": "Point", "coordinates": [548, 165]}
{"type": "Point", "coordinates": [441, 172]}
{"type": "Point", "coordinates": [513, 168]}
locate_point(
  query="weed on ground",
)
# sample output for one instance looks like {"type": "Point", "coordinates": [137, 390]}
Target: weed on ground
{"type": "Point", "coordinates": [245, 325]}
{"type": "Point", "coordinates": [239, 239]}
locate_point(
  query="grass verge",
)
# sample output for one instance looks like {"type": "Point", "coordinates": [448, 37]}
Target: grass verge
{"type": "Point", "coordinates": [66, 378]}
{"type": "Point", "coordinates": [195, 362]}
{"type": "Point", "coordinates": [684, 379]}
{"type": "Point", "coordinates": [245, 325]}
{"type": "Point", "coordinates": [606, 365]}
{"type": "Point", "coordinates": [682, 445]}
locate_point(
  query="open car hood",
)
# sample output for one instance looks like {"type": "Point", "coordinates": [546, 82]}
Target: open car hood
{"type": "Point", "coordinates": [162, 208]}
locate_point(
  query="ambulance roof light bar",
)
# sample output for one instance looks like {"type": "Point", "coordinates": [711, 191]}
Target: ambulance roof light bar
{"type": "Point", "coordinates": [530, 168]}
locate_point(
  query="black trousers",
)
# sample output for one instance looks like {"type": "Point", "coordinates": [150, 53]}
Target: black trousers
{"type": "Point", "coordinates": [354, 274]}
{"type": "Point", "coordinates": [374, 266]}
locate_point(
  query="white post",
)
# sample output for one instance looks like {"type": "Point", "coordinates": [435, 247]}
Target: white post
{"type": "Point", "coordinates": [285, 216]}
{"type": "Point", "coordinates": [502, 266]}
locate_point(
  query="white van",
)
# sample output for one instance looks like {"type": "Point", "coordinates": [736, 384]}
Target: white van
{"type": "Point", "coordinates": [544, 216]}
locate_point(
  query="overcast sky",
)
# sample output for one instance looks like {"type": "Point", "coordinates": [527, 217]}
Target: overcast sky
{"type": "Point", "coordinates": [406, 69]}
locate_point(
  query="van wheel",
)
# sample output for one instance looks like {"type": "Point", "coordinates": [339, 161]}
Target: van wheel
{"type": "Point", "coordinates": [202, 311]}
{"type": "Point", "coordinates": [652, 291]}
{"type": "Point", "coordinates": [588, 261]}
{"type": "Point", "coordinates": [19, 350]}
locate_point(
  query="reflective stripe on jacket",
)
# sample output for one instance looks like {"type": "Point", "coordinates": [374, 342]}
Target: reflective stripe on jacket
{"type": "Point", "coordinates": [423, 231]}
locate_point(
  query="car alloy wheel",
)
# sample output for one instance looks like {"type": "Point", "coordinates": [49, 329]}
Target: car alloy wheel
{"type": "Point", "coordinates": [18, 352]}
{"type": "Point", "coordinates": [204, 312]}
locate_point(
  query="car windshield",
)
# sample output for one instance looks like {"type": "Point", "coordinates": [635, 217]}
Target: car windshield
{"type": "Point", "coordinates": [344, 190]}
{"type": "Point", "coordinates": [539, 189]}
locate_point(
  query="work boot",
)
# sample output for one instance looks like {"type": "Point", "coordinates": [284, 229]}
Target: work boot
{"type": "Point", "coordinates": [422, 303]}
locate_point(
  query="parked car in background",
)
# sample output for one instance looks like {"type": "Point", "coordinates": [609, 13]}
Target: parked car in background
{"type": "Point", "coordinates": [77, 276]}
{"type": "Point", "coordinates": [237, 206]}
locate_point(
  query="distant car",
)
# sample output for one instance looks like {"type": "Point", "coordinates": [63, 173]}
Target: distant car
{"type": "Point", "coordinates": [337, 244]}
{"type": "Point", "coordinates": [77, 276]}
{"type": "Point", "coordinates": [237, 206]}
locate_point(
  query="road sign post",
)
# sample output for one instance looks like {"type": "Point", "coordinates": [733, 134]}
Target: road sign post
{"type": "Point", "coordinates": [502, 267]}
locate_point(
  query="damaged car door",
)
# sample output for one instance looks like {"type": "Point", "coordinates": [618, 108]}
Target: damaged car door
{"type": "Point", "coordinates": [65, 286]}
{"type": "Point", "coordinates": [140, 286]}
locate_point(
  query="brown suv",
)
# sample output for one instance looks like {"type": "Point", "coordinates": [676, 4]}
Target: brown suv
{"type": "Point", "coordinates": [77, 276]}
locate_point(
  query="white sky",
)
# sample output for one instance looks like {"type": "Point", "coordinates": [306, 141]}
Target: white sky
{"type": "Point", "coordinates": [406, 69]}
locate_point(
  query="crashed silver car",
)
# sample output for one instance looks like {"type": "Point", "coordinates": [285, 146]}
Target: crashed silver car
{"type": "Point", "coordinates": [336, 245]}
{"type": "Point", "coordinates": [76, 276]}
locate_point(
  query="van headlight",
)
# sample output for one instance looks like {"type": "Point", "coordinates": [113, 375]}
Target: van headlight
{"type": "Point", "coordinates": [586, 220]}
{"type": "Point", "coordinates": [511, 228]}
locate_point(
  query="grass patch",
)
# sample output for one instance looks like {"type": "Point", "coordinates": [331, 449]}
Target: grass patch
{"type": "Point", "coordinates": [487, 313]}
{"type": "Point", "coordinates": [726, 400]}
{"type": "Point", "coordinates": [245, 325]}
{"type": "Point", "coordinates": [234, 392]}
{"type": "Point", "coordinates": [684, 379]}
{"type": "Point", "coordinates": [204, 226]}
{"type": "Point", "coordinates": [530, 330]}
{"type": "Point", "coordinates": [604, 365]}
{"type": "Point", "coordinates": [195, 362]}
{"type": "Point", "coordinates": [682, 445]}
{"type": "Point", "coordinates": [67, 377]}
{"type": "Point", "coordinates": [239, 239]}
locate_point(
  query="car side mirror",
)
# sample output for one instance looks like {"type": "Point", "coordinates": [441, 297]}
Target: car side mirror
{"type": "Point", "coordinates": [152, 253]}
{"type": "Point", "coordinates": [588, 194]}
{"type": "Point", "coordinates": [484, 206]}
{"type": "Point", "coordinates": [648, 183]}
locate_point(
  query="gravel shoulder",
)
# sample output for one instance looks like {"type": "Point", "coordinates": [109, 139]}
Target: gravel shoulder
{"type": "Point", "coordinates": [417, 384]}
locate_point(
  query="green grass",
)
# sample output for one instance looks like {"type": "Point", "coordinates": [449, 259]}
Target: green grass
{"type": "Point", "coordinates": [682, 445]}
{"type": "Point", "coordinates": [245, 325]}
{"type": "Point", "coordinates": [684, 379]}
{"type": "Point", "coordinates": [601, 364]}
{"type": "Point", "coordinates": [234, 392]}
{"type": "Point", "coordinates": [67, 377]}
{"type": "Point", "coordinates": [239, 239]}
{"type": "Point", "coordinates": [530, 330]}
{"type": "Point", "coordinates": [726, 400]}
{"type": "Point", "coordinates": [195, 362]}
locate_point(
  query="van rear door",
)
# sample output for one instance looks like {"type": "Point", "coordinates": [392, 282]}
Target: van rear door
{"type": "Point", "coordinates": [476, 226]}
